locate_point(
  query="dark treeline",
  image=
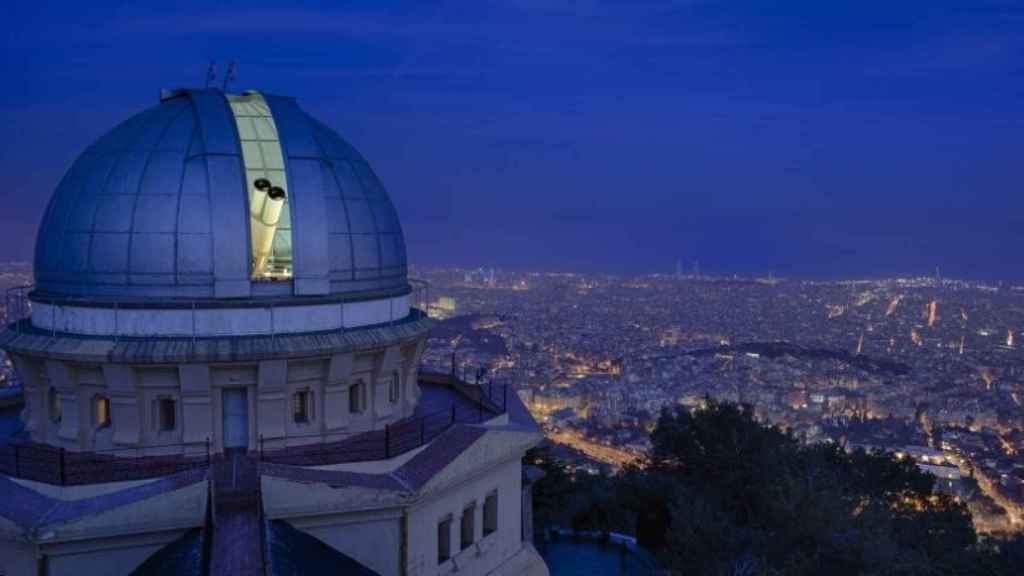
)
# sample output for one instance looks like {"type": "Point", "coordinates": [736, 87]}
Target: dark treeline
{"type": "Point", "coordinates": [722, 494]}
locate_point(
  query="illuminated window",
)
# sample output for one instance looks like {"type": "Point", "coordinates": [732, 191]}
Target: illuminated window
{"type": "Point", "coordinates": [394, 388]}
{"type": "Point", "coordinates": [166, 414]}
{"type": "Point", "coordinates": [101, 411]}
{"type": "Point", "coordinates": [467, 526]}
{"type": "Point", "coordinates": [356, 397]}
{"type": "Point", "coordinates": [302, 406]}
{"type": "Point", "coordinates": [269, 216]}
{"type": "Point", "coordinates": [444, 540]}
{"type": "Point", "coordinates": [491, 513]}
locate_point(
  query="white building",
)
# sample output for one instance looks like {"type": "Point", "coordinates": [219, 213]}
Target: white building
{"type": "Point", "coordinates": [222, 358]}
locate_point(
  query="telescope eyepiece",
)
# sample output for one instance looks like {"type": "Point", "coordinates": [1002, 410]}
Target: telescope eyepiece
{"type": "Point", "coordinates": [261, 184]}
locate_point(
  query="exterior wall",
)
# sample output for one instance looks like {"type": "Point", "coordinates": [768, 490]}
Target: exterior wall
{"type": "Point", "coordinates": [112, 541]}
{"type": "Point", "coordinates": [17, 558]}
{"type": "Point", "coordinates": [134, 393]}
{"type": "Point", "coordinates": [204, 322]}
{"type": "Point", "coordinates": [117, 561]}
{"type": "Point", "coordinates": [371, 538]}
{"type": "Point", "coordinates": [34, 385]}
{"type": "Point", "coordinates": [487, 553]}
{"type": "Point", "coordinates": [367, 524]}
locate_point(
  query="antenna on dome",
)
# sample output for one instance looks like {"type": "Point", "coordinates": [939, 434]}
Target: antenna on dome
{"type": "Point", "coordinates": [229, 76]}
{"type": "Point", "coordinates": [211, 73]}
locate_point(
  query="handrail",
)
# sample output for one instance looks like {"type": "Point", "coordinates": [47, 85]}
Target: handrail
{"type": "Point", "coordinates": [393, 440]}
{"type": "Point", "coordinates": [59, 466]}
{"type": "Point", "coordinates": [17, 305]}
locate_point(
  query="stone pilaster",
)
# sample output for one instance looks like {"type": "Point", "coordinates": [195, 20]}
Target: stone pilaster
{"type": "Point", "coordinates": [272, 388]}
{"type": "Point", "coordinates": [34, 389]}
{"type": "Point", "coordinates": [62, 380]}
{"type": "Point", "coordinates": [126, 415]}
{"type": "Point", "coordinates": [196, 408]}
{"type": "Point", "coordinates": [335, 404]}
{"type": "Point", "coordinates": [387, 364]}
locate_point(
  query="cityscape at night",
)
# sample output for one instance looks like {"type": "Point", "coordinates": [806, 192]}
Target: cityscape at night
{"type": "Point", "coordinates": [926, 367]}
{"type": "Point", "coordinates": [512, 288]}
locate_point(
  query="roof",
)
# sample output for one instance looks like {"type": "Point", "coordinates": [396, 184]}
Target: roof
{"type": "Point", "coordinates": [24, 339]}
{"type": "Point", "coordinates": [159, 208]}
{"type": "Point", "coordinates": [182, 557]}
{"type": "Point", "coordinates": [30, 509]}
{"type": "Point", "coordinates": [291, 552]}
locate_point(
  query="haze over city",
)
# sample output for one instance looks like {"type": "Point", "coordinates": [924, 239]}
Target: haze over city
{"type": "Point", "coordinates": [837, 139]}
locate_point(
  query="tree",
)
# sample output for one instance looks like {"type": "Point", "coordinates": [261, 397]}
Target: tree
{"type": "Point", "coordinates": [723, 494]}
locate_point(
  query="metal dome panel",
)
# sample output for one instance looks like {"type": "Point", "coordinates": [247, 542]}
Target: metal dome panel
{"type": "Point", "coordinates": [158, 209]}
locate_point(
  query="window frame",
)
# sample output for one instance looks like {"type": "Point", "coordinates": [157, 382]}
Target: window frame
{"type": "Point", "coordinates": [307, 406]}
{"type": "Point", "coordinates": [54, 407]}
{"type": "Point", "coordinates": [468, 512]}
{"type": "Point", "coordinates": [395, 388]}
{"type": "Point", "coordinates": [490, 521]}
{"type": "Point", "coordinates": [161, 401]}
{"type": "Point", "coordinates": [97, 400]}
{"type": "Point", "coordinates": [444, 528]}
{"type": "Point", "coordinates": [357, 391]}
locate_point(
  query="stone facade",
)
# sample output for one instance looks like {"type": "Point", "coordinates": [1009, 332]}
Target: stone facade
{"type": "Point", "coordinates": [64, 398]}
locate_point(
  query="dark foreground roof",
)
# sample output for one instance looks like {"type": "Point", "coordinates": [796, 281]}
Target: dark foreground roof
{"type": "Point", "coordinates": [291, 552]}
{"type": "Point", "coordinates": [183, 557]}
{"type": "Point", "coordinates": [31, 510]}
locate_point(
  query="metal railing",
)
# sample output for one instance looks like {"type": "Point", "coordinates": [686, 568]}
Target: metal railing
{"type": "Point", "coordinates": [62, 467]}
{"type": "Point", "coordinates": [391, 441]}
{"type": "Point", "coordinates": [17, 306]}
{"type": "Point", "coordinates": [420, 297]}
{"type": "Point", "coordinates": [53, 465]}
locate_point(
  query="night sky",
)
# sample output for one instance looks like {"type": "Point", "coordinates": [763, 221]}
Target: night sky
{"type": "Point", "coordinates": [819, 139]}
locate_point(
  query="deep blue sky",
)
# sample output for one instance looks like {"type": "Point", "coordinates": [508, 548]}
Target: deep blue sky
{"type": "Point", "coordinates": [820, 138]}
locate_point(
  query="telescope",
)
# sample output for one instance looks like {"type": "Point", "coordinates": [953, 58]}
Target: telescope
{"type": "Point", "coordinates": [265, 213]}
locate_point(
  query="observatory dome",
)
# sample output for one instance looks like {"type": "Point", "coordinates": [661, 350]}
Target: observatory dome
{"type": "Point", "coordinates": [210, 195]}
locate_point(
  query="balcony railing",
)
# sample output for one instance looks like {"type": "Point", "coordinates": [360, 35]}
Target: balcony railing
{"type": "Point", "coordinates": [391, 441]}
{"type": "Point", "coordinates": [52, 465]}
{"type": "Point", "coordinates": [58, 466]}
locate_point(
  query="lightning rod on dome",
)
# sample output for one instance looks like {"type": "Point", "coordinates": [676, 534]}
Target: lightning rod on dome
{"type": "Point", "coordinates": [229, 76]}
{"type": "Point", "coordinates": [211, 73]}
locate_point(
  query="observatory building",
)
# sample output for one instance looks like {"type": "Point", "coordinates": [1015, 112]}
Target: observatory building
{"type": "Point", "coordinates": [220, 363]}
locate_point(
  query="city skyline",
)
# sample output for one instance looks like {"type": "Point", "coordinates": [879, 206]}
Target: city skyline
{"type": "Point", "coordinates": [811, 141]}
{"type": "Point", "coordinates": [512, 288]}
